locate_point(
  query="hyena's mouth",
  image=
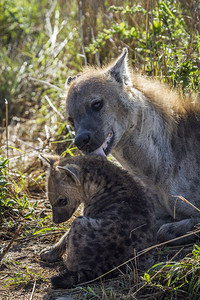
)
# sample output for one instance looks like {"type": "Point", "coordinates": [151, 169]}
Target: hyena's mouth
{"type": "Point", "coordinates": [106, 147]}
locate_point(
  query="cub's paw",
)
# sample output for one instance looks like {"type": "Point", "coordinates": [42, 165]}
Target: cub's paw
{"type": "Point", "coordinates": [49, 255]}
{"type": "Point", "coordinates": [65, 281]}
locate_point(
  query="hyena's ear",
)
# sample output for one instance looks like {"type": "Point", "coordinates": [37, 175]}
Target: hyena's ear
{"type": "Point", "coordinates": [119, 69]}
{"type": "Point", "coordinates": [49, 160]}
{"type": "Point", "coordinates": [69, 80]}
{"type": "Point", "coordinates": [73, 171]}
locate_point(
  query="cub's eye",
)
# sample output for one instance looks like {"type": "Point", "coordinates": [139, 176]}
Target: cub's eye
{"type": "Point", "coordinates": [62, 201]}
{"type": "Point", "coordinates": [71, 121]}
{"type": "Point", "coordinates": [96, 106]}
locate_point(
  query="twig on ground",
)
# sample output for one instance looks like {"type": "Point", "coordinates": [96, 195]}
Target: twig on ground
{"type": "Point", "coordinates": [21, 239]}
{"type": "Point", "coordinates": [28, 144]}
{"type": "Point", "coordinates": [33, 290]}
{"type": "Point", "coordinates": [47, 83]}
{"type": "Point", "coordinates": [188, 202]}
{"type": "Point", "coordinates": [52, 106]}
{"type": "Point", "coordinates": [11, 242]}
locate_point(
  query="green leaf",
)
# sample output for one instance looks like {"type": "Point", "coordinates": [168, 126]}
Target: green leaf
{"type": "Point", "coordinates": [147, 277]}
{"type": "Point", "coordinates": [43, 230]}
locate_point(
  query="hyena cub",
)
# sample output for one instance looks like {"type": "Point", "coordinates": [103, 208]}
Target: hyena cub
{"type": "Point", "coordinates": [118, 217]}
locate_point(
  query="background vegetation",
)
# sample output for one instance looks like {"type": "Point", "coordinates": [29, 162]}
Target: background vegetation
{"type": "Point", "coordinates": [41, 44]}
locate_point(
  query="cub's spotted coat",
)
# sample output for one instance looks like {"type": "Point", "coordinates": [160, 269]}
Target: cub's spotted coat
{"type": "Point", "coordinates": [118, 219]}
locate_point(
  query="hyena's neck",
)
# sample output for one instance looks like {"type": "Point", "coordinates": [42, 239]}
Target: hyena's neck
{"type": "Point", "coordinates": [146, 144]}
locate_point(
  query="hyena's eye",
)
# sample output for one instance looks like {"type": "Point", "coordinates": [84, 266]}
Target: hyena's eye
{"type": "Point", "coordinates": [62, 201]}
{"type": "Point", "coordinates": [71, 121]}
{"type": "Point", "coordinates": [96, 106]}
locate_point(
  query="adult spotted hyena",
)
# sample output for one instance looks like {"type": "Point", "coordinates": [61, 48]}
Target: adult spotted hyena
{"type": "Point", "coordinates": [118, 220]}
{"type": "Point", "coordinates": [148, 128]}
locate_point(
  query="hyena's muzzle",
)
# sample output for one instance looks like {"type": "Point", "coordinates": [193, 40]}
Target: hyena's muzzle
{"type": "Point", "coordinates": [90, 137]}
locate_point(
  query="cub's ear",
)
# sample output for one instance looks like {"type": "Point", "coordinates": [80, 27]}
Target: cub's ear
{"type": "Point", "coordinates": [119, 69]}
{"type": "Point", "coordinates": [73, 171]}
{"type": "Point", "coordinates": [49, 160]}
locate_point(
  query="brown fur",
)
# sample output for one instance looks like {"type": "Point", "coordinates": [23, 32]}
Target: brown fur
{"type": "Point", "coordinates": [166, 100]}
{"type": "Point", "coordinates": [118, 218]}
{"type": "Point", "coordinates": [149, 128]}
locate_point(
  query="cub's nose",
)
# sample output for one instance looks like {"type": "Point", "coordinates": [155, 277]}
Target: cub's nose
{"type": "Point", "coordinates": [82, 139]}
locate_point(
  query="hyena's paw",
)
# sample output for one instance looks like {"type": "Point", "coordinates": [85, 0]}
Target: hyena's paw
{"type": "Point", "coordinates": [175, 230]}
{"type": "Point", "coordinates": [49, 255]}
{"type": "Point", "coordinates": [66, 280]}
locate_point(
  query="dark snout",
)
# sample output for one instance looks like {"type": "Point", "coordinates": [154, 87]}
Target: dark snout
{"type": "Point", "coordinates": [83, 139]}
{"type": "Point", "coordinates": [59, 215]}
{"type": "Point", "coordinates": [56, 220]}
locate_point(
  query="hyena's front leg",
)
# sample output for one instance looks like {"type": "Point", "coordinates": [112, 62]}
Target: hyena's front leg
{"type": "Point", "coordinates": [55, 252]}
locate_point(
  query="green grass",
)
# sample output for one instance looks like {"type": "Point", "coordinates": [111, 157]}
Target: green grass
{"type": "Point", "coordinates": [177, 278]}
{"type": "Point", "coordinates": [24, 278]}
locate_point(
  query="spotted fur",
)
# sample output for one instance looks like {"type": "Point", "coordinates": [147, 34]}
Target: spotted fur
{"type": "Point", "coordinates": [118, 219]}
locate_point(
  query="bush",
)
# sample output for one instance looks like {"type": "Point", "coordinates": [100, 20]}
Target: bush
{"type": "Point", "coordinates": [160, 40]}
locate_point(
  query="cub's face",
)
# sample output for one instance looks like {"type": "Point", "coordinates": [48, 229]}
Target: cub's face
{"type": "Point", "coordinates": [64, 194]}
{"type": "Point", "coordinates": [93, 109]}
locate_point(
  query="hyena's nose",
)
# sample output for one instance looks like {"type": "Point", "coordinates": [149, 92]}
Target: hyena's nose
{"type": "Point", "coordinates": [82, 139]}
